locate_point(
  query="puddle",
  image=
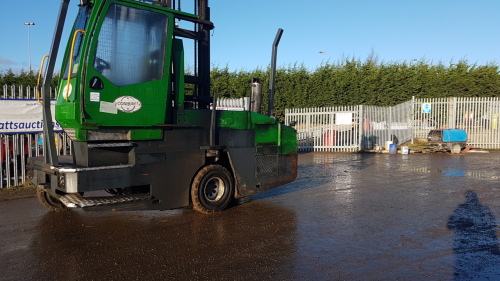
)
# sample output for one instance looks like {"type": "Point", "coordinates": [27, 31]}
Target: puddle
{"type": "Point", "coordinates": [453, 173]}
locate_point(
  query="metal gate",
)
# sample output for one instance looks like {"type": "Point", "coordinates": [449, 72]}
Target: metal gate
{"type": "Point", "coordinates": [327, 128]}
{"type": "Point", "coordinates": [386, 124]}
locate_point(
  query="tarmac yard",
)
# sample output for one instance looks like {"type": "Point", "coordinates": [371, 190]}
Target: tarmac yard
{"type": "Point", "coordinates": [346, 217]}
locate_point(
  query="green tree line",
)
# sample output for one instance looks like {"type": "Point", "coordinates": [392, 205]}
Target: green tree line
{"type": "Point", "coordinates": [356, 82]}
{"type": "Point", "coordinates": [347, 82]}
{"type": "Point", "coordinates": [24, 78]}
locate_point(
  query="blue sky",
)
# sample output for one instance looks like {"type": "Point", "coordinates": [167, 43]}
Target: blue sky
{"type": "Point", "coordinates": [314, 31]}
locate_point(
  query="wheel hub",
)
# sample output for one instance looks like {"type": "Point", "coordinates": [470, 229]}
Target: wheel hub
{"type": "Point", "coordinates": [214, 189]}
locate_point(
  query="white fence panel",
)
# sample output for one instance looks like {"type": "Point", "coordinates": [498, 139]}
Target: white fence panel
{"type": "Point", "coordinates": [335, 129]}
{"type": "Point", "coordinates": [326, 129]}
{"type": "Point", "coordinates": [318, 129]}
{"type": "Point", "coordinates": [479, 117]}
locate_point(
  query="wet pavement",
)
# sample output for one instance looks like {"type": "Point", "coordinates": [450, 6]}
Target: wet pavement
{"type": "Point", "coordinates": [346, 217]}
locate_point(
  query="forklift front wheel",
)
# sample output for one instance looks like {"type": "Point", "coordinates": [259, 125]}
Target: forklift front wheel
{"type": "Point", "coordinates": [212, 189]}
{"type": "Point", "coordinates": [48, 201]}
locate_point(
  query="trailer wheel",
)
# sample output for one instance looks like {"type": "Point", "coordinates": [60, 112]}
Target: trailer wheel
{"type": "Point", "coordinates": [212, 189]}
{"type": "Point", "coordinates": [456, 148]}
{"type": "Point", "coordinates": [48, 201]}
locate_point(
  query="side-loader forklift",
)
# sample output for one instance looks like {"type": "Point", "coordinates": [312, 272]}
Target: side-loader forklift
{"type": "Point", "coordinates": [135, 132]}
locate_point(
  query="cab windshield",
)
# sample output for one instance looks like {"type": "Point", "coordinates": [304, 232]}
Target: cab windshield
{"type": "Point", "coordinates": [131, 45]}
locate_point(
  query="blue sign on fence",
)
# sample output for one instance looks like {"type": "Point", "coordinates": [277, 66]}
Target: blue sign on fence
{"type": "Point", "coordinates": [426, 108]}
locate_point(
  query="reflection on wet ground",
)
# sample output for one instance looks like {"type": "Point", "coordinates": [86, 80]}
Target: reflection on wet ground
{"type": "Point", "coordinates": [256, 242]}
{"type": "Point", "coordinates": [346, 217]}
{"type": "Point", "coordinates": [384, 217]}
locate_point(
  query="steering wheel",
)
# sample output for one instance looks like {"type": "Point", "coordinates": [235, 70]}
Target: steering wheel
{"type": "Point", "coordinates": [100, 64]}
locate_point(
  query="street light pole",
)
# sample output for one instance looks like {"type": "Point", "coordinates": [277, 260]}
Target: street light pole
{"type": "Point", "coordinates": [29, 52]}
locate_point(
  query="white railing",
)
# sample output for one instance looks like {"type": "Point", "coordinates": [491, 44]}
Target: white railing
{"type": "Point", "coordinates": [22, 92]}
{"type": "Point", "coordinates": [326, 129]}
{"type": "Point", "coordinates": [319, 130]}
{"type": "Point", "coordinates": [241, 104]}
{"type": "Point", "coordinates": [479, 117]}
{"type": "Point", "coordinates": [15, 150]}
{"type": "Point", "coordinates": [338, 129]}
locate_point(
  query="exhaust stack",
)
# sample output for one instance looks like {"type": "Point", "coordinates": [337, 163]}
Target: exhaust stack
{"type": "Point", "coordinates": [272, 78]}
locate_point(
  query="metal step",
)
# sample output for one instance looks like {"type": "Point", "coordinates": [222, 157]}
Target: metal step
{"type": "Point", "coordinates": [109, 144]}
{"type": "Point", "coordinates": [74, 200]}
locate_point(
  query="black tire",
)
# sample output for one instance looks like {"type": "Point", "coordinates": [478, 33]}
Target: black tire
{"type": "Point", "coordinates": [456, 148]}
{"type": "Point", "coordinates": [48, 201]}
{"type": "Point", "coordinates": [212, 189]}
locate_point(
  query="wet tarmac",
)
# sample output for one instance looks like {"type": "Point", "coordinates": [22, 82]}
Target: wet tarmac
{"type": "Point", "coordinates": [346, 217]}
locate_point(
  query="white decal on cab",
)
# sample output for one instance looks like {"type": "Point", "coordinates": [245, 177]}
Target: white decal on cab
{"type": "Point", "coordinates": [127, 104]}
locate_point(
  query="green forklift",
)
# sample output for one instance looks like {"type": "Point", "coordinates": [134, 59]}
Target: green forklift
{"type": "Point", "coordinates": [135, 132]}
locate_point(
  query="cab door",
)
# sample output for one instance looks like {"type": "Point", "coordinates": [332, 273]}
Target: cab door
{"type": "Point", "coordinates": [127, 76]}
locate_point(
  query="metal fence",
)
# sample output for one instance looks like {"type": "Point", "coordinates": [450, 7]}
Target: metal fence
{"type": "Point", "coordinates": [479, 117]}
{"type": "Point", "coordinates": [326, 128]}
{"type": "Point", "coordinates": [386, 124]}
{"type": "Point", "coordinates": [16, 148]}
{"type": "Point", "coordinates": [338, 129]}
{"type": "Point", "coordinates": [350, 128]}
{"type": "Point", "coordinates": [321, 129]}
{"type": "Point", "coordinates": [21, 92]}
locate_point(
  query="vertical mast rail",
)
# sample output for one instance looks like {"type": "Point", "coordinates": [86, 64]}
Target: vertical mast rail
{"type": "Point", "coordinates": [204, 49]}
{"type": "Point", "coordinates": [49, 146]}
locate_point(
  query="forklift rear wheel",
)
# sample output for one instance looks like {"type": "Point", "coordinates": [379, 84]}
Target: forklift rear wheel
{"type": "Point", "coordinates": [212, 189]}
{"type": "Point", "coordinates": [48, 201]}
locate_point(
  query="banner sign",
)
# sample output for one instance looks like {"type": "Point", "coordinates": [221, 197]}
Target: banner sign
{"type": "Point", "coordinates": [24, 116]}
{"type": "Point", "coordinates": [343, 118]}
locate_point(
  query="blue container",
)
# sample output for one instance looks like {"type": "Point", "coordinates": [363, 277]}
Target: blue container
{"type": "Point", "coordinates": [447, 136]}
{"type": "Point", "coordinates": [454, 135]}
{"type": "Point", "coordinates": [393, 148]}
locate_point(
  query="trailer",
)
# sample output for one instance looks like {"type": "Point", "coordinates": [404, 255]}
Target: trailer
{"type": "Point", "coordinates": [453, 140]}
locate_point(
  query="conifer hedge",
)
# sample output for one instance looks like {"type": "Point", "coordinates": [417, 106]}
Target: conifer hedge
{"type": "Point", "coordinates": [355, 82]}
{"type": "Point", "coordinates": [347, 82]}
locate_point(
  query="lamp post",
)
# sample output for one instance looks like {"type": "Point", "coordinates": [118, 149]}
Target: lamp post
{"type": "Point", "coordinates": [29, 52]}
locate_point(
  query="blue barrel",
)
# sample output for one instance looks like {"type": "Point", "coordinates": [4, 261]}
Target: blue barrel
{"type": "Point", "coordinates": [393, 148]}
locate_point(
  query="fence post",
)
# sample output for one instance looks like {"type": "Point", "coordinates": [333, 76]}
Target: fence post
{"type": "Point", "coordinates": [28, 92]}
{"type": "Point", "coordinates": [390, 124]}
{"type": "Point", "coordinates": [412, 121]}
{"type": "Point", "coordinates": [15, 158]}
{"type": "Point", "coordinates": [20, 94]}
{"type": "Point", "coordinates": [452, 111]}
{"type": "Point", "coordinates": [23, 143]}
{"type": "Point", "coordinates": [361, 119]}
{"type": "Point", "coordinates": [12, 91]}
{"type": "Point", "coordinates": [7, 159]}
{"type": "Point", "coordinates": [2, 156]}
